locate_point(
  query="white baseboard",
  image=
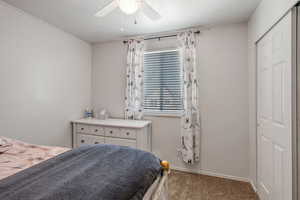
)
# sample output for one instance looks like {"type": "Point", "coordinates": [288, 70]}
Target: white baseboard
{"type": "Point", "coordinates": [219, 175]}
{"type": "Point", "coordinates": [253, 186]}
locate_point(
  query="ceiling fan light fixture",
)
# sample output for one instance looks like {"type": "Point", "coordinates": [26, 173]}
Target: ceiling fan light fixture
{"type": "Point", "coordinates": [129, 6]}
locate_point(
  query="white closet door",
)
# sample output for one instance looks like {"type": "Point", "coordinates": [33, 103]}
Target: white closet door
{"type": "Point", "coordinates": [274, 132]}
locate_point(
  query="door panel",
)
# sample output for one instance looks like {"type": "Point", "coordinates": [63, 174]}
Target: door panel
{"type": "Point", "coordinates": [266, 167]}
{"type": "Point", "coordinates": [278, 172]}
{"type": "Point", "coordinates": [274, 114]}
{"type": "Point", "coordinates": [278, 82]}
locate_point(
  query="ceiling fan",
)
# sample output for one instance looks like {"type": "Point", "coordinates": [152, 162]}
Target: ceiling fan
{"type": "Point", "coordinates": [130, 7]}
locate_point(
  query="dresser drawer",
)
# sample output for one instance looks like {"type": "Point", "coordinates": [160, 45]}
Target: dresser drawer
{"type": "Point", "coordinates": [83, 139]}
{"type": "Point", "coordinates": [112, 132]}
{"type": "Point", "coordinates": [121, 142]}
{"type": "Point", "coordinates": [81, 128]}
{"type": "Point", "coordinates": [127, 133]}
{"type": "Point", "coordinates": [120, 133]}
{"type": "Point", "coordinates": [95, 130]}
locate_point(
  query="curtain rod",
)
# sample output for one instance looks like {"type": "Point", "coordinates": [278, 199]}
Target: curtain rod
{"type": "Point", "coordinates": [160, 37]}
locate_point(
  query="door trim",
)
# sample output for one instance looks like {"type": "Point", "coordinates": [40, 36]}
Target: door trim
{"type": "Point", "coordinates": [295, 100]}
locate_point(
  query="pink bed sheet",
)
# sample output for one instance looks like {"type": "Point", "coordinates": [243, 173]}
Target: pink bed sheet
{"type": "Point", "coordinates": [21, 155]}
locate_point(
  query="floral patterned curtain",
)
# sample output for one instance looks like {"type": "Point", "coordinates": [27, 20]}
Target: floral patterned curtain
{"type": "Point", "coordinates": [134, 75]}
{"type": "Point", "coordinates": [190, 129]}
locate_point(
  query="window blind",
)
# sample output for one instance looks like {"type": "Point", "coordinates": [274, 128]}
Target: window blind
{"type": "Point", "coordinates": [163, 82]}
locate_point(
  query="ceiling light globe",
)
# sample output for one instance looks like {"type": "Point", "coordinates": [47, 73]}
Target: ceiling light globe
{"type": "Point", "coordinates": [128, 6]}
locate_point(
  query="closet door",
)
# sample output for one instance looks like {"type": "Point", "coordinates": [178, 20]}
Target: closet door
{"type": "Point", "coordinates": [274, 113]}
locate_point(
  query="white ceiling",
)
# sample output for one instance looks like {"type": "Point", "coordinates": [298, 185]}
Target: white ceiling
{"type": "Point", "coordinates": [77, 16]}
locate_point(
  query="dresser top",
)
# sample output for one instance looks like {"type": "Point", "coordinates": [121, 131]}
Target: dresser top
{"type": "Point", "coordinates": [114, 122]}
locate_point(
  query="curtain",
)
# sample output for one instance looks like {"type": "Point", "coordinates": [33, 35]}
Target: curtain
{"type": "Point", "coordinates": [134, 75]}
{"type": "Point", "coordinates": [190, 122]}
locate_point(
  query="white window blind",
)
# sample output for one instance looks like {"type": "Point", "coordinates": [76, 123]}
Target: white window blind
{"type": "Point", "coordinates": [163, 82]}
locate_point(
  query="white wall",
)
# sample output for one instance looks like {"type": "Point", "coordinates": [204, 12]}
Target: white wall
{"type": "Point", "coordinates": [223, 75]}
{"type": "Point", "coordinates": [45, 79]}
{"type": "Point", "coordinates": [265, 16]}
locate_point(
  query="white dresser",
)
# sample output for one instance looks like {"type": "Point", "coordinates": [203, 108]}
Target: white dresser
{"type": "Point", "coordinates": [132, 133]}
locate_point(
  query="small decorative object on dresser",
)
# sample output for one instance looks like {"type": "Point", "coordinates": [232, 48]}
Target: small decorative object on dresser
{"type": "Point", "coordinates": [132, 133]}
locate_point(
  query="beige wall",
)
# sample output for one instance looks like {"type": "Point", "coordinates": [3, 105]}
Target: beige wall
{"type": "Point", "coordinates": [266, 15]}
{"type": "Point", "coordinates": [223, 75]}
{"type": "Point", "coordinates": [45, 79]}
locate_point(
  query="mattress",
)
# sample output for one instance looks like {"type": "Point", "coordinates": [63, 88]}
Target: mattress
{"type": "Point", "coordinates": [19, 156]}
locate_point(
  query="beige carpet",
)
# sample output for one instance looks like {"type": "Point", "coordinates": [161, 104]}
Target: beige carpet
{"type": "Point", "coordinates": [186, 186]}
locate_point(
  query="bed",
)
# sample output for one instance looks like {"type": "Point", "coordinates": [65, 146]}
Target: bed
{"type": "Point", "coordinates": [21, 162]}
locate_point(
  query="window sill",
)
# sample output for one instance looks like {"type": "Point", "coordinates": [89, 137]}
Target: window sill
{"type": "Point", "coordinates": [160, 114]}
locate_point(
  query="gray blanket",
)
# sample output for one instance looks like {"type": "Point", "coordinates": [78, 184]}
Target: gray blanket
{"type": "Point", "coordinates": [96, 172]}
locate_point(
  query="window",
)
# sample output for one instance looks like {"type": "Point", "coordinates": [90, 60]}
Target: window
{"type": "Point", "coordinates": [163, 82]}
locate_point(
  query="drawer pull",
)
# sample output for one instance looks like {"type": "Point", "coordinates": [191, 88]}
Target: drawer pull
{"type": "Point", "coordinates": [82, 141]}
{"type": "Point", "coordinates": [96, 142]}
{"type": "Point", "coordinates": [96, 130]}
{"type": "Point", "coordinates": [127, 133]}
{"type": "Point", "coordinates": [111, 132]}
{"type": "Point", "coordinates": [82, 129]}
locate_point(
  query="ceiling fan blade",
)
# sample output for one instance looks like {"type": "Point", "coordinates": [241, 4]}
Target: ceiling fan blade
{"type": "Point", "coordinates": [149, 11]}
{"type": "Point", "coordinates": [107, 9]}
